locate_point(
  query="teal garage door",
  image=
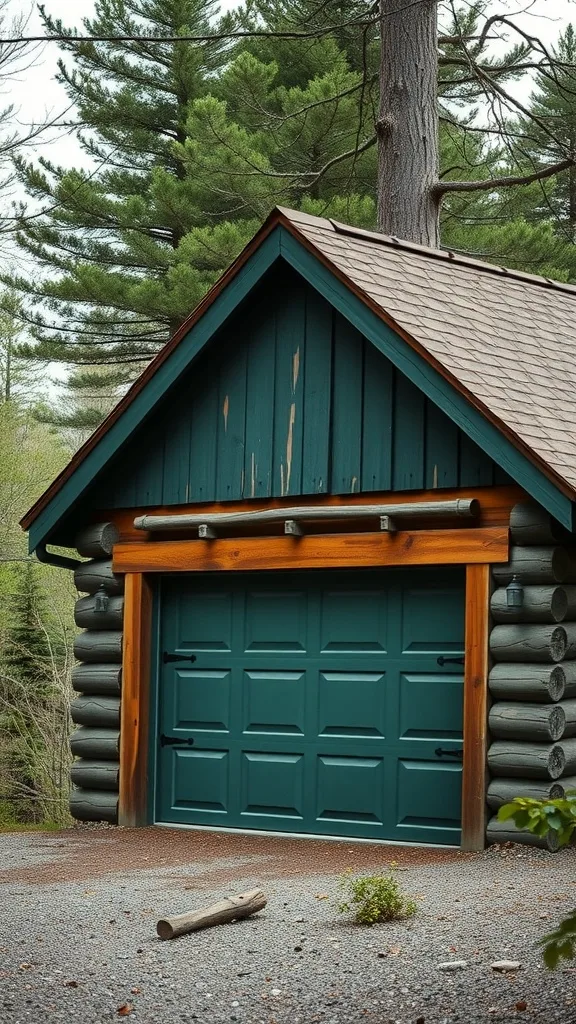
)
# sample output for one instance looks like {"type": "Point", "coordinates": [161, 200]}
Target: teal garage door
{"type": "Point", "coordinates": [327, 703]}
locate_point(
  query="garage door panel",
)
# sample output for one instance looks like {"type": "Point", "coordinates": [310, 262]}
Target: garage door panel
{"type": "Point", "coordinates": [276, 620]}
{"type": "Point", "coordinates": [431, 706]}
{"type": "Point", "coordinates": [353, 621]}
{"type": "Point", "coordinates": [432, 620]}
{"type": "Point", "coordinates": [428, 796]}
{"type": "Point", "coordinates": [352, 704]}
{"type": "Point", "coordinates": [200, 780]}
{"type": "Point", "coordinates": [350, 789]}
{"type": "Point", "coordinates": [274, 702]}
{"type": "Point", "coordinates": [318, 700]}
{"type": "Point", "coordinates": [272, 784]}
{"type": "Point", "coordinates": [204, 622]}
{"type": "Point", "coordinates": [202, 699]}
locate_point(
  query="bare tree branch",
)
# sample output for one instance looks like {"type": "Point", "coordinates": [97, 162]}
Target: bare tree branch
{"type": "Point", "coordinates": [507, 181]}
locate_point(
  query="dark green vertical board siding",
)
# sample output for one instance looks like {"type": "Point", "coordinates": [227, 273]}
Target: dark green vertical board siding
{"type": "Point", "coordinates": [261, 353]}
{"type": "Point", "coordinates": [231, 422]}
{"type": "Point", "coordinates": [203, 441]}
{"type": "Point", "coordinates": [291, 399]}
{"type": "Point", "coordinates": [476, 468]}
{"type": "Point", "coordinates": [177, 454]}
{"type": "Point", "coordinates": [442, 448]}
{"type": "Point", "coordinates": [409, 436]}
{"type": "Point", "coordinates": [317, 395]}
{"type": "Point", "coordinates": [347, 400]}
{"type": "Point", "coordinates": [378, 421]}
{"type": "Point", "coordinates": [288, 392]}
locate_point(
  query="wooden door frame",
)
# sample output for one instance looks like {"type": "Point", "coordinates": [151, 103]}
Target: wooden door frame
{"type": "Point", "coordinates": [137, 668]}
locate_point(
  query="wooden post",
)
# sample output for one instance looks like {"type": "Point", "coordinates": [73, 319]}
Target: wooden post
{"type": "Point", "coordinates": [134, 709]}
{"type": "Point", "coordinates": [474, 771]}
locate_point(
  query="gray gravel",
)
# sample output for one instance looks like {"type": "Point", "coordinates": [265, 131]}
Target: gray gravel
{"type": "Point", "coordinates": [80, 950]}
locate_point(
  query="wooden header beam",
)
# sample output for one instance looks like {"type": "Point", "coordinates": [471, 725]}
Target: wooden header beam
{"type": "Point", "coordinates": [337, 551]}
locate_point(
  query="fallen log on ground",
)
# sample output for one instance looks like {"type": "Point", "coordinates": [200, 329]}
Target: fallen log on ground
{"type": "Point", "coordinates": [243, 905]}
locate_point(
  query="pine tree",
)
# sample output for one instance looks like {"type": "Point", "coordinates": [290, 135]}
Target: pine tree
{"type": "Point", "coordinates": [112, 229]}
{"type": "Point", "coordinates": [27, 648]}
{"type": "Point", "coordinates": [548, 134]}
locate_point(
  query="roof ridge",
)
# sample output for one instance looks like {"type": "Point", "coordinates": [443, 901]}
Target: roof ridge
{"type": "Point", "coordinates": [448, 255]}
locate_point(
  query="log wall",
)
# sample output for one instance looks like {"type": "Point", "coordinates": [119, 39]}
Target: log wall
{"type": "Point", "coordinates": [97, 680]}
{"type": "Point", "coordinates": [532, 681]}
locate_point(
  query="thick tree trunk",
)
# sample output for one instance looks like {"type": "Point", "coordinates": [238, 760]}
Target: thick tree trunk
{"type": "Point", "coordinates": [407, 127]}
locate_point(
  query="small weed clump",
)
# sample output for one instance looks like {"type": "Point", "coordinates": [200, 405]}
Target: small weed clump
{"type": "Point", "coordinates": [374, 898]}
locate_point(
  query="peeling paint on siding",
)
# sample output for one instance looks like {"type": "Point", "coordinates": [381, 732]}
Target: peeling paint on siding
{"type": "Point", "coordinates": [295, 368]}
{"type": "Point", "coordinates": [289, 445]}
{"type": "Point", "coordinates": [225, 410]}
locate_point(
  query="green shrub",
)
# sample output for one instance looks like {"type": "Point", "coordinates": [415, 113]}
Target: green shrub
{"type": "Point", "coordinates": [374, 898]}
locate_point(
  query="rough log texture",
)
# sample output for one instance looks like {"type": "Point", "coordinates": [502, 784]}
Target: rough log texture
{"type": "Point", "coordinates": [86, 617]}
{"type": "Point", "coordinates": [96, 711]}
{"type": "Point", "coordinates": [528, 642]}
{"type": "Point", "coordinates": [513, 759]}
{"type": "Point", "coordinates": [96, 774]}
{"type": "Point", "coordinates": [570, 628]}
{"type": "Point", "coordinates": [569, 709]}
{"type": "Point", "coordinates": [506, 832]}
{"type": "Point", "coordinates": [94, 805]}
{"type": "Point", "coordinates": [97, 678]}
{"type": "Point", "coordinates": [502, 791]}
{"type": "Point", "coordinates": [540, 722]}
{"type": "Point", "coordinates": [98, 647]}
{"type": "Point", "coordinates": [540, 683]}
{"type": "Point", "coordinates": [569, 749]}
{"type": "Point", "coordinates": [101, 744]}
{"type": "Point", "coordinates": [531, 524]}
{"type": "Point", "coordinates": [571, 598]}
{"type": "Point", "coordinates": [539, 604]}
{"type": "Point", "coordinates": [568, 784]}
{"type": "Point", "coordinates": [90, 576]}
{"type": "Point", "coordinates": [534, 565]}
{"type": "Point", "coordinates": [569, 670]}
{"type": "Point", "coordinates": [230, 909]}
{"type": "Point", "coordinates": [97, 540]}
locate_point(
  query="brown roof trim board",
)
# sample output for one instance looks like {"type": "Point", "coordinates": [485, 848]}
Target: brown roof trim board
{"type": "Point", "coordinates": [296, 223]}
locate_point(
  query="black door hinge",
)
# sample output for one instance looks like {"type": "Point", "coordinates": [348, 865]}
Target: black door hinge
{"type": "Point", "coordinates": [171, 741]}
{"type": "Point", "coordinates": [450, 661]}
{"type": "Point", "coordinates": [440, 752]}
{"type": "Point", "coordinates": [166, 657]}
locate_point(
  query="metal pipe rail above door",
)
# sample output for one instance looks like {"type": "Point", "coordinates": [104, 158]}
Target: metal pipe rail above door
{"type": "Point", "coordinates": [207, 524]}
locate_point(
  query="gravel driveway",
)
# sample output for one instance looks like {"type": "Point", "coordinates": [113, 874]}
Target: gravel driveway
{"type": "Point", "coordinates": [78, 942]}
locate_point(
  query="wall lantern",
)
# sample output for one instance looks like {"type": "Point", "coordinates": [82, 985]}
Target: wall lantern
{"type": "Point", "coordinates": [101, 600]}
{"type": "Point", "coordinates": [514, 593]}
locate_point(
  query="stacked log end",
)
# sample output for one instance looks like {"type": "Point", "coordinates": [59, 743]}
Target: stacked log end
{"type": "Point", "coordinates": [532, 681]}
{"type": "Point", "coordinates": [95, 710]}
